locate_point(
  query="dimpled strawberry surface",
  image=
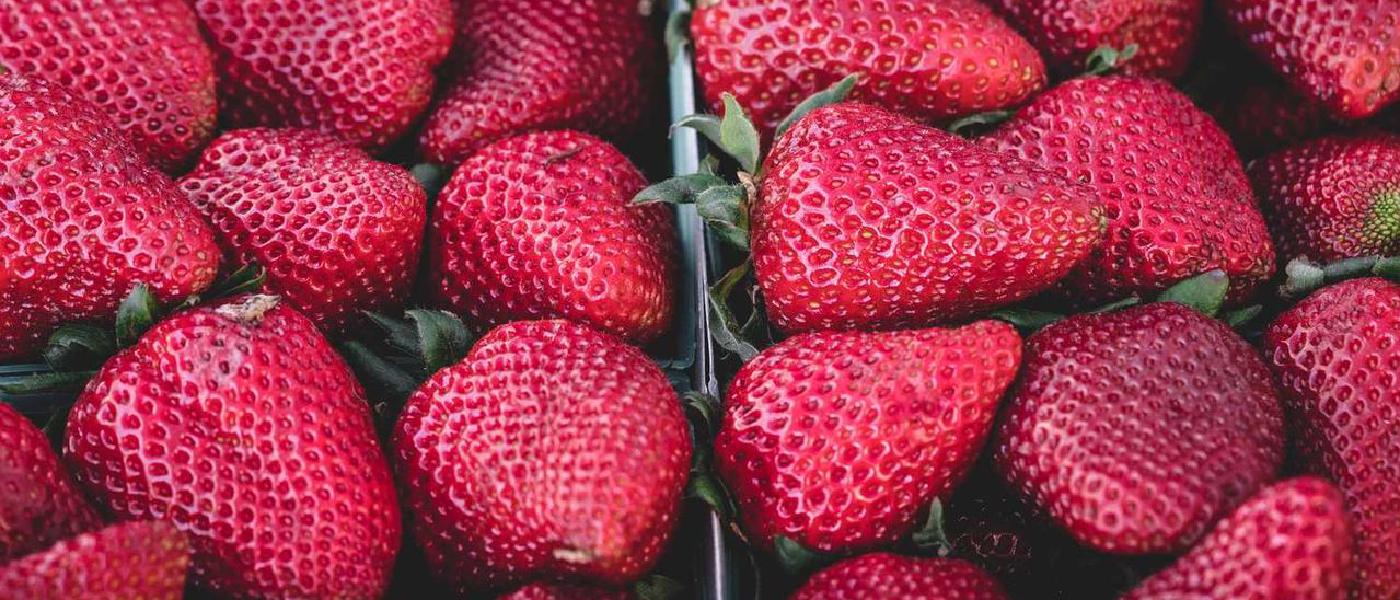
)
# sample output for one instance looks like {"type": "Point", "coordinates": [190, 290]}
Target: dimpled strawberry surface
{"type": "Point", "coordinates": [1067, 31]}
{"type": "Point", "coordinates": [880, 576]}
{"type": "Point", "coordinates": [39, 504]}
{"type": "Point", "coordinates": [138, 560]}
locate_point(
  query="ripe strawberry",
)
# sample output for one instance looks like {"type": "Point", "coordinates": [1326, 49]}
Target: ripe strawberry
{"type": "Point", "coordinates": [839, 440]}
{"type": "Point", "coordinates": [866, 220]}
{"type": "Point", "coordinates": [238, 423]}
{"type": "Point", "coordinates": [140, 560]}
{"type": "Point", "coordinates": [1177, 198]}
{"type": "Point", "coordinates": [525, 65]}
{"type": "Point", "coordinates": [362, 71]}
{"type": "Point", "coordinates": [1336, 355]}
{"type": "Point", "coordinates": [542, 591]}
{"type": "Point", "coordinates": [1135, 430]}
{"type": "Point", "coordinates": [83, 218]}
{"type": "Point", "coordinates": [540, 226]}
{"type": "Point", "coordinates": [143, 63]}
{"type": "Point", "coordinates": [1264, 115]}
{"type": "Point", "coordinates": [881, 576]}
{"type": "Point", "coordinates": [1342, 53]}
{"type": "Point", "coordinates": [338, 232]}
{"type": "Point", "coordinates": [1068, 31]}
{"type": "Point", "coordinates": [1291, 540]}
{"type": "Point", "coordinates": [929, 60]}
{"type": "Point", "coordinates": [552, 451]}
{"type": "Point", "coordinates": [38, 503]}
{"type": "Point", "coordinates": [1332, 198]}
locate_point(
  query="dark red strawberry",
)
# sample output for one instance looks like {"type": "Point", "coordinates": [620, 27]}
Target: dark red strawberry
{"type": "Point", "coordinates": [1136, 430]}
{"type": "Point", "coordinates": [143, 63]}
{"type": "Point", "coordinates": [1068, 31]}
{"type": "Point", "coordinates": [885, 576]}
{"type": "Point", "coordinates": [38, 503]}
{"type": "Point", "coordinates": [542, 591]}
{"type": "Point", "coordinates": [238, 423]}
{"type": "Point", "coordinates": [552, 451]}
{"type": "Point", "coordinates": [1337, 359]}
{"type": "Point", "coordinates": [1291, 540]}
{"type": "Point", "coordinates": [541, 225]}
{"type": "Point", "coordinates": [1264, 114]}
{"type": "Point", "coordinates": [589, 65]}
{"type": "Point", "coordinates": [83, 218]}
{"type": "Point", "coordinates": [338, 232]}
{"type": "Point", "coordinates": [140, 560]}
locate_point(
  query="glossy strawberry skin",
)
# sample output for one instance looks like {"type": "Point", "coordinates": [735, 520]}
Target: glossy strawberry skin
{"type": "Point", "coordinates": [83, 218]}
{"type": "Point", "coordinates": [1135, 430]}
{"type": "Point", "coordinates": [1336, 356]}
{"type": "Point", "coordinates": [338, 232]}
{"type": "Point", "coordinates": [881, 575]}
{"type": "Point", "coordinates": [541, 226]}
{"type": "Point", "coordinates": [839, 441]}
{"type": "Point", "coordinates": [929, 60]}
{"type": "Point", "coordinates": [552, 451]}
{"type": "Point", "coordinates": [361, 71]}
{"type": "Point", "coordinates": [240, 424]}
{"type": "Point", "coordinates": [1067, 31]}
{"type": "Point", "coordinates": [589, 65]}
{"type": "Point", "coordinates": [139, 560]}
{"type": "Point", "coordinates": [867, 220]}
{"type": "Point", "coordinates": [1176, 195]}
{"type": "Point", "coordinates": [143, 63]}
{"type": "Point", "coordinates": [1291, 540]}
{"type": "Point", "coordinates": [39, 504]}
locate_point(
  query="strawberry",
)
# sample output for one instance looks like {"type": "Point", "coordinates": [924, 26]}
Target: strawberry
{"type": "Point", "coordinates": [38, 503]}
{"type": "Point", "coordinates": [83, 218]}
{"type": "Point", "coordinates": [585, 64]}
{"type": "Point", "coordinates": [552, 451]}
{"type": "Point", "coordinates": [540, 226]}
{"type": "Point", "coordinates": [337, 231]}
{"type": "Point", "coordinates": [1177, 198]}
{"type": "Point", "coordinates": [1135, 430]}
{"type": "Point", "coordinates": [362, 71]}
{"type": "Point", "coordinates": [1335, 355]}
{"type": "Point", "coordinates": [1068, 31]}
{"type": "Point", "coordinates": [541, 591]}
{"type": "Point", "coordinates": [143, 63]}
{"type": "Point", "coordinates": [1265, 114]}
{"type": "Point", "coordinates": [929, 60]}
{"type": "Point", "coordinates": [1332, 198]}
{"type": "Point", "coordinates": [838, 441]}
{"type": "Point", "coordinates": [140, 560]}
{"type": "Point", "coordinates": [1291, 540]}
{"type": "Point", "coordinates": [240, 425]}
{"type": "Point", "coordinates": [881, 576]}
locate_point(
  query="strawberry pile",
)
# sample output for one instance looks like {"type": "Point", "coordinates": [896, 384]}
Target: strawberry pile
{"type": "Point", "coordinates": [356, 299]}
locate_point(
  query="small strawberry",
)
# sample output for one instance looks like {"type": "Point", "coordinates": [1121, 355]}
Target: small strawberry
{"type": "Point", "coordinates": [139, 560]}
{"type": "Point", "coordinates": [38, 503]}
{"type": "Point", "coordinates": [1291, 540]}
{"type": "Point", "coordinates": [1069, 31]}
{"type": "Point", "coordinates": [884, 576]}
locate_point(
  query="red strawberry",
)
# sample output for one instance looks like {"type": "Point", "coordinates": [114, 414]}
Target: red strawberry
{"type": "Point", "coordinates": [839, 440]}
{"type": "Point", "coordinates": [541, 225]}
{"type": "Point", "coordinates": [1291, 540]}
{"type": "Point", "coordinates": [1068, 31]}
{"type": "Point", "coordinates": [1342, 53]}
{"type": "Point", "coordinates": [83, 218]}
{"type": "Point", "coordinates": [552, 451]}
{"type": "Point", "coordinates": [140, 560]}
{"type": "Point", "coordinates": [885, 576]}
{"type": "Point", "coordinates": [1332, 198]}
{"type": "Point", "coordinates": [38, 503]}
{"type": "Point", "coordinates": [361, 70]}
{"type": "Point", "coordinates": [1135, 430]}
{"type": "Point", "coordinates": [143, 63]}
{"type": "Point", "coordinates": [929, 60]}
{"type": "Point", "coordinates": [337, 231]}
{"type": "Point", "coordinates": [867, 220]}
{"type": "Point", "coordinates": [1337, 358]}
{"type": "Point", "coordinates": [238, 423]}
{"type": "Point", "coordinates": [527, 65]}
{"type": "Point", "coordinates": [1264, 115]}
{"type": "Point", "coordinates": [541, 591]}
{"type": "Point", "coordinates": [1177, 198]}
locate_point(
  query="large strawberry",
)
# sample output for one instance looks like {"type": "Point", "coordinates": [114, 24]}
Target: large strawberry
{"type": "Point", "coordinates": [1176, 195]}
{"type": "Point", "coordinates": [238, 423]}
{"type": "Point", "coordinates": [1262, 114]}
{"type": "Point", "coordinates": [552, 451]}
{"type": "Point", "coordinates": [526, 65]}
{"type": "Point", "coordinates": [544, 591]}
{"type": "Point", "coordinates": [886, 576]}
{"type": "Point", "coordinates": [540, 226]}
{"type": "Point", "coordinates": [143, 63]}
{"type": "Point", "coordinates": [361, 70]}
{"type": "Point", "coordinates": [1068, 31]}
{"type": "Point", "coordinates": [83, 218]}
{"type": "Point", "coordinates": [1336, 356]}
{"type": "Point", "coordinates": [38, 503]}
{"type": "Point", "coordinates": [337, 231]}
{"type": "Point", "coordinates": [140, 560]}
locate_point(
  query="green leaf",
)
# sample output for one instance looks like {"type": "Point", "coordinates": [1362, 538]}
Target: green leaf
{"type": "Point", "coordinates": [706, 408]}
{"type": "Point", "coordinates": [1107, 58]}
{"type": "Point", "coordinates": [734, 134]}
{"type": "Point", "coordinates": [432, 177]}
{"type": "Point", "coordinates": [707, 488]}
{"type": "Point", "coordinates": [79, 347]}
{"type": "Point", "coordinates": [1117, 305]}
{"type": "Point", "coordinates": [1388, 267]}
{"type": "Point", "coordinates": [1026, 320]}
{"type": "Point", "coordinates": [399, 335]}
{"type": "Point", "coordinates": [384, 379]}
{"type": "Point", "coordinates": [681, 189]}
{"type": "Point", "coordinates": [136, 313]}
{"type": "Point", "coordinates": [1242, 317]}
{"type": "Point", "coordinates": [1205, 292]}
{"type": "Point", "coordinates": [724, 331]}
{"type": "Point", "coordinates": [49, 382]}
{"type": "Point", "coordinates": [725, 209]}
{"type": "Point", "coordinates": [798, 560]}
{"type": "Point", "coordinates": [972, 124]}
{"type": "Point", "coordinates": [932, 538]}
{"type": "Point", "coordinates": [658, 587]}
{"type": "Point", "coordinates": [831, 95]}
{"type": "Point", "coordinates": [442, 336]}
{"type": "Point", "coordinates": [677, 34]}
{"type": "Point", "coordinates": [706, 125]}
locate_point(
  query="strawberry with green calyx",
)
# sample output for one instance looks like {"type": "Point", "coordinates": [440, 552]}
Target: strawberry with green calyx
{"type": "Point", "coordinates": [1068, 31]}
{"type": "Point", "coordinates": [138, 560]}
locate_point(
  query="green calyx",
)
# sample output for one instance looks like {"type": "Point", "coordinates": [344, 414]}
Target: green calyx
{"type": "Point", "coordinates": [1106, 59]}
{"type": "Point", "coordinates": [799, 560]}
{"type": "Point", "coordinates": [704, 414]}
{"type": "Point", "coordinates": [1305, 277]}
{"type": "Point", "coordinates": [972, 125]}
{"type": "Point", "coordinates": [677, 34]}
{"type": "Point", "coordinates": [404, 353]}
{"type": "Point", "coordinates": [932, 538]}
{"type": "Point", "coordinates": [1205, 293]}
